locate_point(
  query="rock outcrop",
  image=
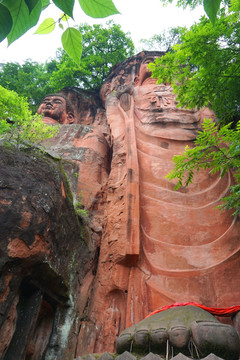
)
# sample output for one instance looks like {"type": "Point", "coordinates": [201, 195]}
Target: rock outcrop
{"type": "Point", "coordinates": [45, 255]}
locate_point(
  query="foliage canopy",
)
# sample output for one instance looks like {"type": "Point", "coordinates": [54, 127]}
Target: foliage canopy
{"type": "Point", "coordinates": [30, 80]}
{"type": "Point", "coordinates": [163, 41]}
{"type": "Point", "coordinates": [17, 123]}
{"type": "Point", "coordinates": [103, 47]}
{"type": "Point", "coordinates": [18, 16]}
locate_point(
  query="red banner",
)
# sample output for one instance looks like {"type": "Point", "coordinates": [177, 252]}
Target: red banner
{"type": "Point", "coordinates": [214, 311]}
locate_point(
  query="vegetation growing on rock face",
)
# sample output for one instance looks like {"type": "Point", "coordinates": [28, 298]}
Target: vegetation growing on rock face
{"type": "Point", "coordinates": [17, 124]}
{"type": "Point", "coordinates": [80, 211]}
{"type": "Point", "coordinates": [216, 149]}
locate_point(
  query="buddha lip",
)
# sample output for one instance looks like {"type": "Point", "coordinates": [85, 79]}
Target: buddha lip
{"type": "Point", "coordinates": [157, 110]}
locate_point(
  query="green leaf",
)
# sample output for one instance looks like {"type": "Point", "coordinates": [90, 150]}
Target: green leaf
{"type": "Point", "coordinates": [98, 8]}
{"type": "Point", "coordinates": [65, 6]}
{"type": "Point", "coordinates": [22, 20]}
{"type": "Point", "coordinates": [5, 22]}
{"type": "Point", "coordinates": [46, 27]}
{"type": "Point", "coordinates": [64, 17]}
{"type": "Point", "coordinates": [72, 43]}
{"type": "Point", "coordinates": [61, 26]}
{"type": "Point", "coordinates": [45, 4]}
{"type": "Point", "coordinates": [211, 7]}
{"type": "Point", "coordinates": [31, 4]}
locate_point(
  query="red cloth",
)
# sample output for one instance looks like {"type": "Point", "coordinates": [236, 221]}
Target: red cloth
{"type": "Point", "coordinates": [215, 311]}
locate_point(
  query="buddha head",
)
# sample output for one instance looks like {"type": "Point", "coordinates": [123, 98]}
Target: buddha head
{"type": "Point", "coordinates": [56, 109]}
{"type": "Point", "coordinates": [144, 74]}
{"type": "Point", "coordinates": [157, 109]}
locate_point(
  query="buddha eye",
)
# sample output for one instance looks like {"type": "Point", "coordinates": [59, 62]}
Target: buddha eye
{"type": "Point", "coordinates": [152, 98]}
{"type": "Point", "coordinates": [148, 61]}
{"type": "Point", "coordinates": [57, 101]}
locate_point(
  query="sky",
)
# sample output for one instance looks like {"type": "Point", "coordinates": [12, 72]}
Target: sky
{"type": "Point", "coordinates": [142, 19]}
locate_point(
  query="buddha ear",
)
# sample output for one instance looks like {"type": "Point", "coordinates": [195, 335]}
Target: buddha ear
{"type": "Point", "coordinates": [70, 118]}
{"type": "Point", "coordinates": [136, 80]}
{"type": "Point", "coordinates": [39, 110]}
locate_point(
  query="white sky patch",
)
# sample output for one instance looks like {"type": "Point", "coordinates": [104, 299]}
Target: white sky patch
{"type": "Point", "coordinates": [141, 19]}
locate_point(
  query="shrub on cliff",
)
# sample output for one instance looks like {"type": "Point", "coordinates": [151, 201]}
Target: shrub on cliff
{"type": "Point", "coordinates": [17, 124]}
{"type": "Point", "coordinates": [216, 149]}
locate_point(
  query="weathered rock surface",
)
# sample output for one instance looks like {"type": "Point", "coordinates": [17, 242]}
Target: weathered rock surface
{"type": "Point", "coordinates": [88, 155]}
{"type": "Point", "coordinates": [44, 257]}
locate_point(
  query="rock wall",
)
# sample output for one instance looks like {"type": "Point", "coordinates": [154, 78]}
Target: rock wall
{"type": "Point", "coordinates": [51, 219]}
{"type": "Point", "coordinates": [44, 258]}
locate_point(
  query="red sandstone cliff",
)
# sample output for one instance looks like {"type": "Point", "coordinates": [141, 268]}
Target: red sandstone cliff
{"type": "Point", "coordinates": [147, 245]}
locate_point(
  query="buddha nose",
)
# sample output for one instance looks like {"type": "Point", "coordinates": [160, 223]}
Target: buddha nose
{"type": "Point", "coordinates": [158, 102]}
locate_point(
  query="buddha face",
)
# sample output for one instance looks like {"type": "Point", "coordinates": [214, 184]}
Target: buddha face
{"type": "Point", "coordinates": [54, 107]}
{"type": "Point", "coordinates": [157, 104]}
{"type": "Point", "coordinates": [158, 115]}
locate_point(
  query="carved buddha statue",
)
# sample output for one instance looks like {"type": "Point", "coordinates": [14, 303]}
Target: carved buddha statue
{"type": "Point", "coordinates": [56, 109]}
{"type": "Point", "coordinates": [160, 246]}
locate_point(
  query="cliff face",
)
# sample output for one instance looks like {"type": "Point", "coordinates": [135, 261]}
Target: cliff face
{"type": "Point", "coordinates": [51, 223]}
{"type": "Point", "coordinates": [44, 257]}
{"type": "Point", "coordinates": [69, 285]}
